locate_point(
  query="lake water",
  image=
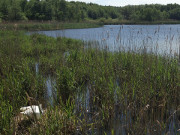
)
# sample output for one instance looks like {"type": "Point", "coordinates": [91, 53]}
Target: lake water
{"type": "Point", "coordinates": [161, 39]}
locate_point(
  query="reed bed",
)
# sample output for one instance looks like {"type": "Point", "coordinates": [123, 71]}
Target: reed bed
{"type": "Point", "coordinates": [34, 26]}
{"type": "Point", "coordinates": [96, 91]}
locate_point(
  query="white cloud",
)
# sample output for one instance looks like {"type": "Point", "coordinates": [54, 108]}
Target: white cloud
{"type": "Point", "coordinates": [129, 2]}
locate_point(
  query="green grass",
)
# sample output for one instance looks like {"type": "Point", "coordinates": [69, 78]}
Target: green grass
{"type": "Point", "coordinates": [53, 25]}
{"type": "Point", "coordinates": [131, 22]}
{"type": "Point", "coordinates": [148, 86]}
{"type": "Point", "coordinates": [33, 26]}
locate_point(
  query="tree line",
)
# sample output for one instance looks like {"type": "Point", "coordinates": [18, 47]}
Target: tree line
{"type": "Point", "coordinates": [61, 10]}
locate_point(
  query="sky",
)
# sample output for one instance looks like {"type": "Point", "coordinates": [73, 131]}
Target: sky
{"type": "Point", "coordinates": [128, 2]}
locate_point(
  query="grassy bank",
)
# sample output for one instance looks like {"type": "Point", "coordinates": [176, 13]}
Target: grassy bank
{"type": "Point", "coordinates": [131, 22]}
{"type": "Point", "coordinates": [33, 26]}
{"type": "Point", "coordinates": [94, 88]}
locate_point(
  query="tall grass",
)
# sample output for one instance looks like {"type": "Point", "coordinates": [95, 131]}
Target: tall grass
{"type": "Point", "coordinates": [139, 91]}
{"type": "Point", "coordinates": [32, 26]}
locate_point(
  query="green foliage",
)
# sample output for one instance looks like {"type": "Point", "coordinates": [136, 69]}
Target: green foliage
{"type": "Point", "coordinates": [4, 9]}
{"type": "Point", "coordinates": [15, 11]}
{"type": "Point", "coordinates": [150, 14]}
{"type": "Point", "coordinates": [135, 16]}
{"type": "Point", "coordinates": [47, 26]}
{"type": "Point", "coordinates": [175, 13]}
{"type": "Point", "coordinates": [64, 11]}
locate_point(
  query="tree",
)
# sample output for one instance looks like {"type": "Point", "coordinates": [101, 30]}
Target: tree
{"type": "Point", "coordinates": [23, 4]}
{"type": "Point", "coordinates": [33, 10]}
{"type": "Point", "coordinates": [164, 15]}
{"type": "Point", "coordinates": [1, 16]}
{"type": "Point", "coordinates": [71, 13]}
{"type": "Point", "coordinates": [46, 10]}
{"type": "Point", "coordinates": [175, 14]}
{"type": "Point", "coordinates": [135, 16]}
{"type": "Point", "coordinates": [15, 11]}
{"type": "Point", "coordinates": [150, 14]}
{"type": "Point", "coordinates": [62, 10]}
{"type": "Point", "coordinates": [92, 14]}
{"type": "Point", "coordinates": [4, 10]}
{"type": "Point", "coordinates": [127, 11]}
{"type": "Point", "coordinates": [113, 14]}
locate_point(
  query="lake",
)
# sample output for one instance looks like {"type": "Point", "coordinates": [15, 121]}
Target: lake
{"type": "Point", "coordinates": [161, 39]}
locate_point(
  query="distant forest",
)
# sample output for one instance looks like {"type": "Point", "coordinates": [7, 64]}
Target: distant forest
{"type": "Point", "coordinates": [61, 10]}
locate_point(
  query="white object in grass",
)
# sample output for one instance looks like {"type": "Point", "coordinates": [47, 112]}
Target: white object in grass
{"type": "Point", "coordinates": [32, 111]}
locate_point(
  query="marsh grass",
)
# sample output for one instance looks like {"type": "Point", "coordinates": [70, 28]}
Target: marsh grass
{"type": "Point", "coordinates": [143, 87]}
{"type": "Point", "coordinates": [131, 22]}
{"type": "Point", "coordinates": [34, 26]}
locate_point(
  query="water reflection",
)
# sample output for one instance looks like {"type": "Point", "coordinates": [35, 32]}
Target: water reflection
{"type": "Point", "coordinates": [37, 68]}
{"type": "Point", "coordinates": [82, 100]}
{"type": "Point", "coordinates": [50, 86]}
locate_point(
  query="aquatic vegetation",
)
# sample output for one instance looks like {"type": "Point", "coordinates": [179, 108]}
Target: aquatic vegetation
{"type": "Point", "coordinates": [96, 91]}
{"type": "Point", "coordinates": [31, 26]}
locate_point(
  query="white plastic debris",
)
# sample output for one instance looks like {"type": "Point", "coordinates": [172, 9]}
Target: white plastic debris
{"type": "Point", "coordinates": [31, 111]}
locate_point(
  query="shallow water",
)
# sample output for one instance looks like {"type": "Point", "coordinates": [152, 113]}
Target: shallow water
{"type": "Point", "coordinates": [82, 100]}
{"type": "Point", "coordinates": [51, 90]}
{"type": "Point", "coordinates": [163, 39]}
{"type": "Point", "coordinates": [50, 84]}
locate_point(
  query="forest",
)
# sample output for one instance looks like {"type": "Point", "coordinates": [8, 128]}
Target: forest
{"type": "Point", "coordinates": [61, 10]}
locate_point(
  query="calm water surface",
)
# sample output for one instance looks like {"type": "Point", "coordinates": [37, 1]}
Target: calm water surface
{"type": "Point", "coordinates": [163, 39]}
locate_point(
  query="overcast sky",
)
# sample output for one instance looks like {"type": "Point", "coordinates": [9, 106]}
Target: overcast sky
{"type": "Point", "coordinates": [128, 2]}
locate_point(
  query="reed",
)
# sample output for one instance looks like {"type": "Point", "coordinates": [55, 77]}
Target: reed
{"type": "Point", "coordinates": [34, 26]}
{"type": "Point", "coordinates": [94, 88]}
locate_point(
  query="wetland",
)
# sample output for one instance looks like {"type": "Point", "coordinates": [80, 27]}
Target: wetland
{"type": "Point", "coordinates": [115, 79]}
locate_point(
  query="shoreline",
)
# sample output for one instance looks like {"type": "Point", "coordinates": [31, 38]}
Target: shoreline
{"type": "Point", "coordinates": [53, 25]}
{"type": "Point", "coordinates": [125, 22]}
{"type": "Point", "coordinates": [36, 26]}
